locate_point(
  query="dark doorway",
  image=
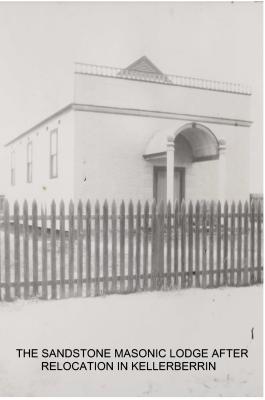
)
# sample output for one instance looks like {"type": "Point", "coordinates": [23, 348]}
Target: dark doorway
{"type": "Point", "coordinates": [160, 184]}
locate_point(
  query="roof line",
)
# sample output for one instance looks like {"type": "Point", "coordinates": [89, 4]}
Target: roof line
{"type": "Point", "coordinates": [165, 79]}
{"type": "Point", "coordinates": [66, 108]}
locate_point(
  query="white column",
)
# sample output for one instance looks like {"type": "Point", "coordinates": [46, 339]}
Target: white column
{"type": "Point", "coordinates": [170, 169]}
{"type": "Point", "coordinates": [222, 172]}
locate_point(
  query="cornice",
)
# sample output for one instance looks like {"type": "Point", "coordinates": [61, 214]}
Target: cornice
{"type": "Point", "coordinates": [161, 114]}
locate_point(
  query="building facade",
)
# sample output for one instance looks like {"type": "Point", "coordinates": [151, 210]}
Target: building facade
{"type": "Point", "coordinates": [137, 133]}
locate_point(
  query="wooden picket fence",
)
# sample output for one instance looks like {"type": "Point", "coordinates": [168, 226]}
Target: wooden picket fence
{"type": "Point", "coordinates": [86, 252]}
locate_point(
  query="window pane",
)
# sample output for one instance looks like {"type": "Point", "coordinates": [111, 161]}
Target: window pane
{"type": "Point", "coordinates": [12, 159]}
{"type": "Point", "coordinates": [54, 142]}
{"type": "Point", "coordinates": [12, 176]}
{"type": "Point", "coordinates": [29, 151]}
{"type": "Point", "coordinates": [53, 166]}
{"type": "Point", "coordinates": [29, 172]}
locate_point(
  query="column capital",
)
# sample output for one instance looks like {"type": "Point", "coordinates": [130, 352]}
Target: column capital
{"type": "Point", "coordinates": [221, 146]}
{"type": "Point", "coordinates": [170, 143]}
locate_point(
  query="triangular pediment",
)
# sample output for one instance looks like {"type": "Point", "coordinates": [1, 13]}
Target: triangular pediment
{"type": "Point", "coordinates": [144, 65]}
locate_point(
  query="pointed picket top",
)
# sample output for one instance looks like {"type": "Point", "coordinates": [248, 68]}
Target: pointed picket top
{"type": "Point", "coordinates": [16, 207]}
{"type": "Point", "coordinates": [6, 209]}
{"type": "Point", "coordinates": [97, 207]}
{"type": "Point", "coordinates": [204, 207]}
{"type": "Point", "coordinates": [34, 205]}
{"type": "Point", "coordinates": [219, 207]}
{"type": "Point", "coordinates": [233, 207]}
{"type": "Point", "coordinates": [80, 204]}
{"type": "Point", "coordinates": [197, 207]}
{"type": "Point", "coordinates": [88, 212]}
{"type": "Point", "coordinates": [239, 208]}
{"type": "Point", "coordinates": [138, 207]}
{"type": "Point", "coordinates": [53, 206]}
{"type": "Point", "coordinates": [212, 206]}
{"type": "Point", "coordinates": [146, 207]}
{"type": "Point", "coordinates": [154, 206]}
{"type": "Point", "coordinates": [252, 208]}
{"type": "Point", "coordinates": [190, 207]}
{"type": "Point", "coordinates": [259, 207]}
{"type": "Point", "coordinates": [43, 209]}
{"type": "Point", "coordinates": [169, 209]}
{"type": "Point", "coordinates": [114, 208]}
{"type": "Point", "coordinates": [183, 206]}
{"type": "Point", "coordinates": [226, 207]}
{"type": "Point", "coordinates": [62, 207]}
{"type": "Point", "coordinates": [25, 206]}
{"type": "Point", "coordinates": [130, 207]}
{"type": "Point", "coordinates": [105, 205]}
{"type": "Point", "coordinates": [71, 207]}
{"type": "Point", "coordinates": [122, 207]}
{"type": "Point", "coordinates": [88, 207]}
{"type": "Point", "coordinates": [246, 207]}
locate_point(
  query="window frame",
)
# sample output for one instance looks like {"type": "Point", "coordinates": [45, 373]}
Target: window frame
{"type": "Point", "coordinates": [29, 162]}
{"type": "Point", "coordinates": [54, 156]}
{"type": "Point", "coordinates": [12, 169]}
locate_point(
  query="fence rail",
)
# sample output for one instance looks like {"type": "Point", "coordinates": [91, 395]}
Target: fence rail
{"type": "Point", "coordinates": [80, 251]}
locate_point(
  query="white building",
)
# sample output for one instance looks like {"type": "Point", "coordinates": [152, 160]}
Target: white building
{"type": "Point", "coordinates": [136, 133]}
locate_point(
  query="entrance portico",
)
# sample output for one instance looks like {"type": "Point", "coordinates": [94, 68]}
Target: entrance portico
{"type": "Point", "coordinates": [178, 148]}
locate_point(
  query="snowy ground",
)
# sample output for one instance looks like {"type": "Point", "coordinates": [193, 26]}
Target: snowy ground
{"type": "Point", "coordinates": [195, 318]}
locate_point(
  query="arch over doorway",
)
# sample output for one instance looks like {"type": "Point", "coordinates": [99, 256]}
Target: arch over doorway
{"type": "Point", "coordinates": [202, 141]}
{"type": "Point", "coordinates": [176, 148]}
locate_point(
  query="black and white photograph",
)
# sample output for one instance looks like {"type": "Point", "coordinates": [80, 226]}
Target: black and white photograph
{"type": "Point", "coordinates": [131, 199]}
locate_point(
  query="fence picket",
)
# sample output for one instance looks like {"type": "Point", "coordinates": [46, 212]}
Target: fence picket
{"type": "Point", "coordinates": [183, 245]}
{"type": "Point", "coordinates": [122, 246]}
{"type": "Point", "coordinates": [197, 245]}
{"type": "Point", "coordinates": [190, 245]}
{"type": "Point", "coordinates": [232, 245]}
{"type": "Point", "coordinates": [35, 247]}
{"type": "Point", "coordinates": [7, 251]}
{"type": "Point", "coordinates": [105, 247]}
{"type": "Point", "coordinates": [17, 249]}
{"type": "Point", "coordinates": [259, 249]}
{"type": "Point", "coordinates": [79, 248]}
{"type": "Point", "coordinates": [218, 245]}
{"type": "Point", "coordinates": [245, 261]}
{"type": "Point", "coordinates": [62, 250]}
{"type": "Point", "coordinates": [53, 250]}
{"type": "Point", "coordinates": [239, 243]}
{"type": "Point", "coordinates": [153, 247]}
{"type": "Point", "coordinates": [169, 242]}
{"type": "Point", "coordinates": [44, 253]}
{"type": "Point", "coordinates": [97, 248]}
{"type": "Point", "coordinates": [26, 249]}
{"type": "Point", "coordinates": [114, 246]}
{"type": "Point", "coordinates": [160, 246]}
{"type": "Point", "coordinates": [138, 246]}
{"type": "Point", "coordinates": [176, 244]}
{"type": "Point", "coordinates": [130, 248]}
{"type": "Point", "coordinates": [71, 249]}
{"type": "Point", "coordinates": [225, 254]}
{"type": "Point", "coordinates": [145, 245]}
{"type": "Point", "coordinates": [88, 248]}
{"type": "Point", "coordinates": [252, 243]}
{"type": "Point", "coordinates": [204, 245]}
{"type": "Point", "coordinates": [211, 246]}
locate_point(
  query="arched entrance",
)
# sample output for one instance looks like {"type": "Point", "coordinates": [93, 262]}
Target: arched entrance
{"type": "Point", "coordinates": [171, 151]}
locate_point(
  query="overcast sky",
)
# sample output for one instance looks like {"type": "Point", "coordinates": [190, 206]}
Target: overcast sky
{"type": "Point", "coordinates": [40, 42]}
